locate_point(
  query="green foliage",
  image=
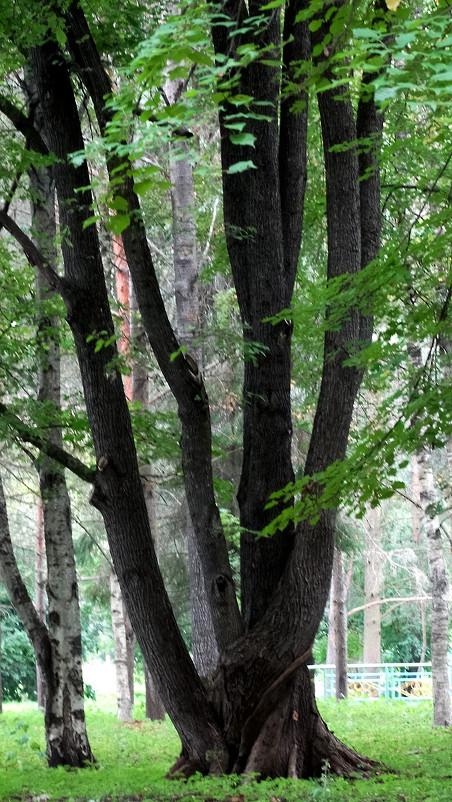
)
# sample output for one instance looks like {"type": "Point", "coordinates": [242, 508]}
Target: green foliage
{"type": "Point", "coordinates": [18, 664]}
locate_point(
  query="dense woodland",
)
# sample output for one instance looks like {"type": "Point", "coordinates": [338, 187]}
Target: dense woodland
{"type": "Point", "coordinates": [225, 362]}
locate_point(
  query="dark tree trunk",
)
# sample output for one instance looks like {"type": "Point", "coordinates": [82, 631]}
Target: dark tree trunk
{"type": "Point", "coordinates": [118, 492]}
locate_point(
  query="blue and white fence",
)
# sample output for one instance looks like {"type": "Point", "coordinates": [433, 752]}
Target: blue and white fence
{"type": "Point", "coordinates": [378, 681]}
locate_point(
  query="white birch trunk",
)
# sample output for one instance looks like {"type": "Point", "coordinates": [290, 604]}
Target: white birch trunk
{"type": "Point", "coordinates": [118, 616]}
{"type": "Point", "coordinates": [67, 740]}
{"type": "Point", "coordinates": [373, 581]}
{"type": "Point", "coordinates": [442, 714]}
{"type": "Point", "coordinates": [40, 592]}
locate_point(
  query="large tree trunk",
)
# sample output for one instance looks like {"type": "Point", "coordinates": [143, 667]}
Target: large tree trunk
{"type": "Point", "coordinates": [263, 237]}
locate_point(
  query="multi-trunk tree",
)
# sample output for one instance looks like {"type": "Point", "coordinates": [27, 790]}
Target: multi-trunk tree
{"type": "Point", "coordinates": [259, 713]}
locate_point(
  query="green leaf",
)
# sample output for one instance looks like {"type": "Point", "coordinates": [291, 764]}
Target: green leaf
{"type": "Point", "coordinates": [119, 204]}
{"type": "Point", "coordinates": [141, 187]}
{"type": "Point", "coordinates": [240, 167]}
{"type": "Point", "coordinates": [118, 223]}
{"type": "Point", "coordinates": [91, 220]}
{"type": "Point", "coordinates": [243, 139]}
{"type": "Point", "coordinates": [273, 4]}
{"type": "Point", "coordinates": [60, 36]}
{"type": "Point", "coordinates": [315, 25]}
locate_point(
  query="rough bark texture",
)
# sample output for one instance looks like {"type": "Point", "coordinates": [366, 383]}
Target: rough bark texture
{"type": "Point", "coordinates": [1, 686]}
{"type": "Point", "coordinates": [66, 740]}
{"type": "Point", "coordinates": [282, 604]}
{"type": "Point", "coordinates": [183, 377]}
{"type": "Point", "coordinates": [339, 604]}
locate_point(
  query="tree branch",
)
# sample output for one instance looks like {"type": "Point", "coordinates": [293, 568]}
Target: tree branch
{"type": "Point", "coordinates": [17, 591]}
{"type": "Point", "coordinates": [22, 123]}
{"type": "Point", "coordinates": [33, 255]}
{"type": "Point", "coordinates": [395, 599]}
{"type": "Point", "coordinates": [57, 453]}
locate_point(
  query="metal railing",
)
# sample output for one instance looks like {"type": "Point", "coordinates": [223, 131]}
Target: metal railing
{"type": "Point", "coordinates": [378, 681]}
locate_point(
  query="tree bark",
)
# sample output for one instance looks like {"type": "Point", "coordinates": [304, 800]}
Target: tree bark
{"type": "Point", "coordinates": [373, 582]}
{"type": "Point", "coordinates": [442, 712]}
{"type": "Point", "coordinates": [1, 685]}
{"type": "Point", "coordinates": [442, 709]}
{"type": "Point", "coordinates": [186, 291]}
{"type": "Point", "coordinates": [67, 743]}
{"type": "Point", "coordinates": [183, 377]}
{"type": "Point", "coordinates": [339, 604]}
{"type": "Point", "coordinates": [416, 524]}
{"type": "Point", "coordinates": [40, 585]}
{"type": "Point", "coordinates": [118, 616]}
{"type": "Point", "coordinates": [301, 566]}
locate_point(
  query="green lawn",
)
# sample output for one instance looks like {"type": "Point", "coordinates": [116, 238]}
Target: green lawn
{"type": "Point", "coordinates": [133, 759]}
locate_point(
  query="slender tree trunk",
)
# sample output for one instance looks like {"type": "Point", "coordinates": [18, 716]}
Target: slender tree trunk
{"type": "Point", "coordinates": [373, 581]}
{"type": "Point", "coordinates": [57, 650]}
{"type": "Point", "coordinates": [153, 703]}
{"type": "Point", "coordinates": [339, 604]}
{"type": "Point", "coordinates": [123, 696]}
{"type": "Point", "coordinates": [442, 711]}
{"type": "Point", "coordinates": [123, 637]}
{"type": "Point", "coordinates": [67, 740]}
{"type": "Point", "coordinates": [1, 685]}
{"type": "Point", "coordinates": [416, 524]}
{"type": "Point", "coordinates": [40, 597]}
{"type": "Point", "coordinates": [186, 290]}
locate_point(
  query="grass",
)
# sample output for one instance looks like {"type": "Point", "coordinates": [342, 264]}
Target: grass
{"type": "Point", "coordinates": [133, 760]}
